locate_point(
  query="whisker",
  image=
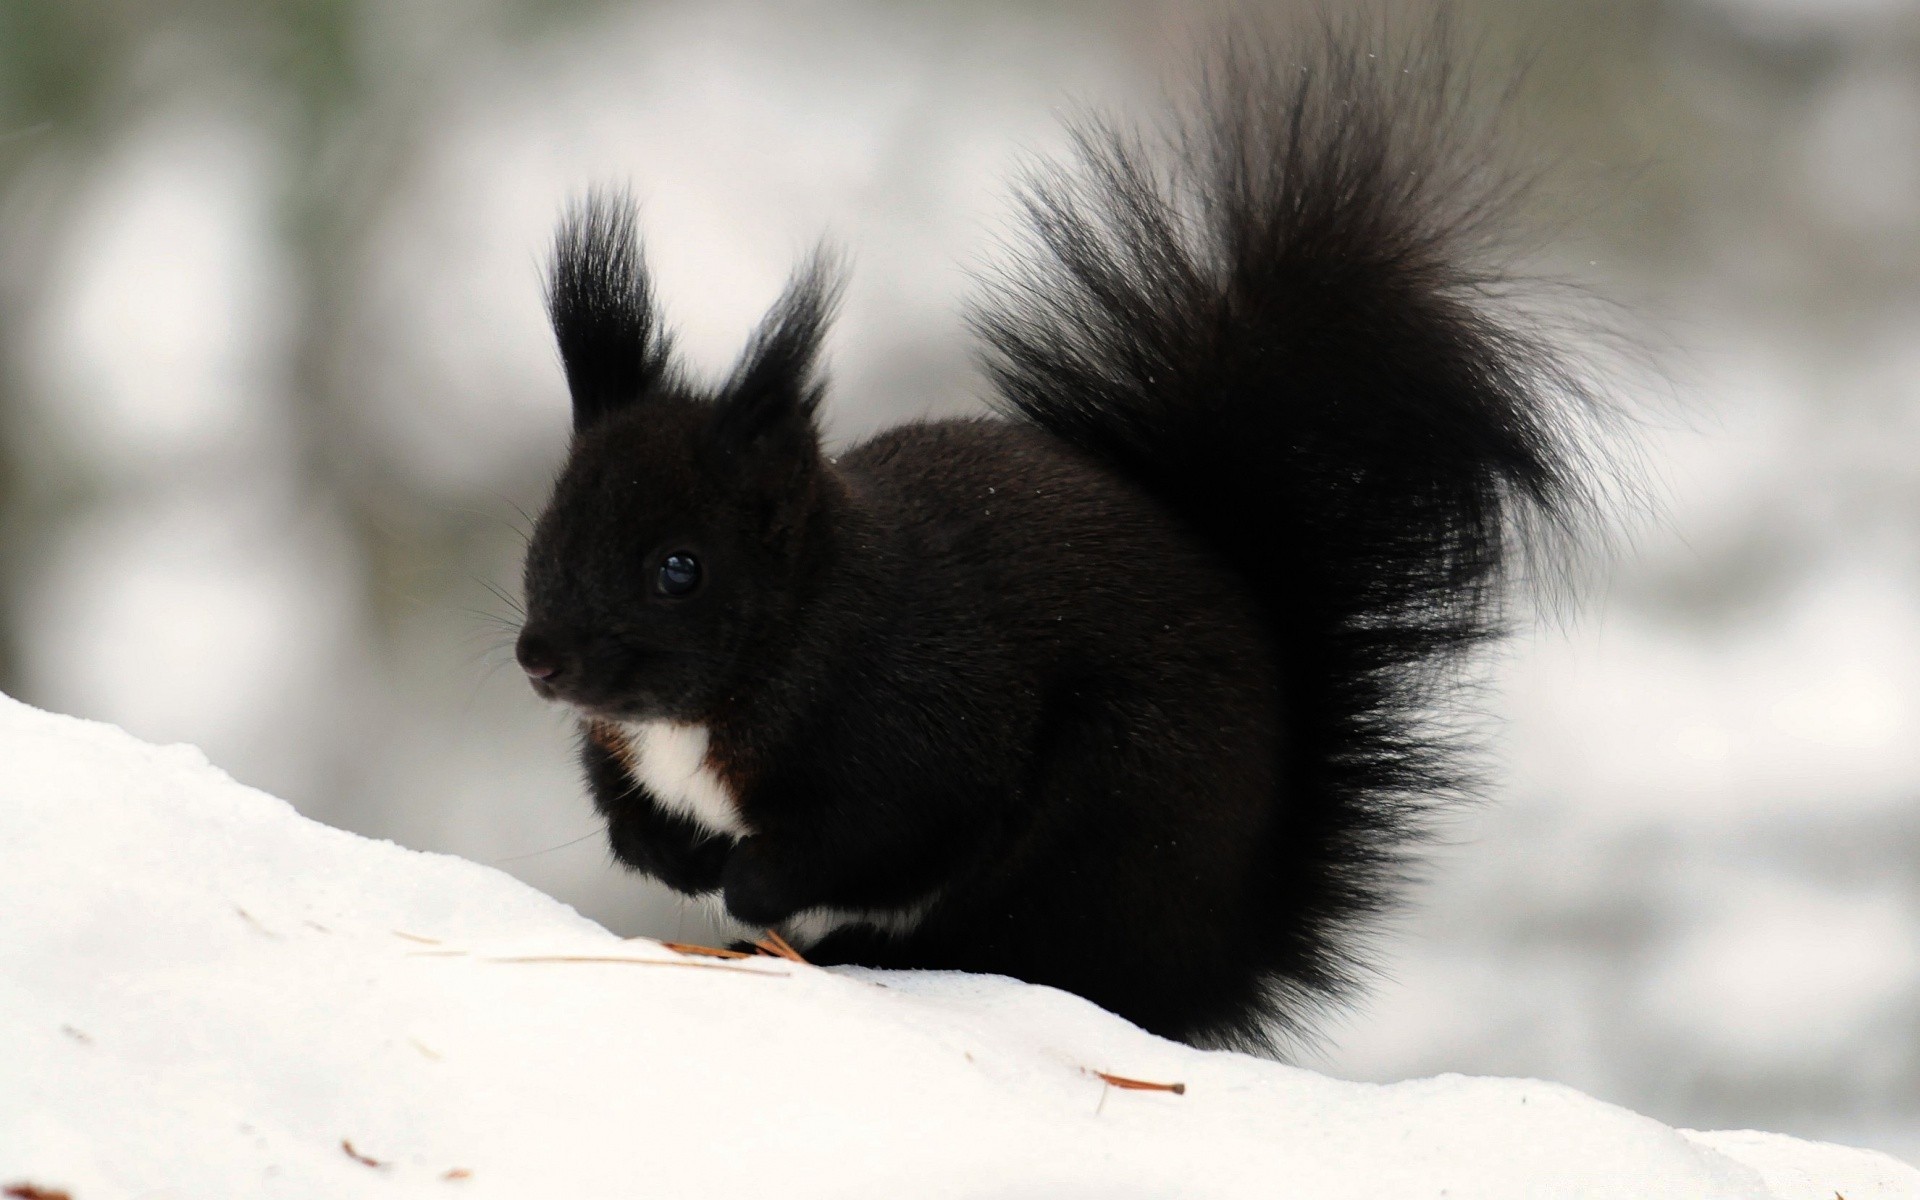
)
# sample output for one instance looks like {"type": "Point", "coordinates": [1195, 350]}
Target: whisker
{"type": "Point", "coordinates": [525, 533]}
{"type": "Point", "coordinates": [549, 850]}
{"type": "Point", "coordinates": [491, 618]}
{"type": "Point", "coordinates": [501, 595]}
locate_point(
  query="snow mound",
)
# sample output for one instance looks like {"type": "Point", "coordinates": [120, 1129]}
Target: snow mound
{"type": "Point", "coordinates": [204, 994]}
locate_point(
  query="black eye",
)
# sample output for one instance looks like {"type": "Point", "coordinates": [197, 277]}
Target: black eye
{"type": "Point", "coordinates": [679, 575]}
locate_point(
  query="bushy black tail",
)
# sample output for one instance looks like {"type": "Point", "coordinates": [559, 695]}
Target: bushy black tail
{"type": "Point", "coordinates": [1286, 321]}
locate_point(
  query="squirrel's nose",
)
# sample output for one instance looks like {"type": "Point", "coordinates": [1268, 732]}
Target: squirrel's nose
{"type": "Point", "coordinates": [538, 657]}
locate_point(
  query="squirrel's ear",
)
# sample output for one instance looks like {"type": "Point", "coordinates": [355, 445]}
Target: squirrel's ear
{"type": "Point", "coordinates": [776, 387]}
{"type": "Point", "coordinates": [602, 307]}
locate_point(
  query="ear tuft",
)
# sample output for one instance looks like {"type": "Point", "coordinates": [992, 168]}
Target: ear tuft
{"type": "Point", "coordinates": [776, 384]}
{"type": "Point", "coordinates": [602, 307]}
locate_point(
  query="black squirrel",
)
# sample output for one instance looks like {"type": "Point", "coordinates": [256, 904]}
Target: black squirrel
{"type": "Point", "coordinates": [1131, 688]}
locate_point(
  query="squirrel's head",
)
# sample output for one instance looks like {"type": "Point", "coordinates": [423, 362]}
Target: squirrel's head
{"type": "Point", "coordinates": [681, 534]}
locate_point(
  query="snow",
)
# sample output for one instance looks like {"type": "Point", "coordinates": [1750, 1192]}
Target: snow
{"type": "Point", "coordinates": [204, 994]}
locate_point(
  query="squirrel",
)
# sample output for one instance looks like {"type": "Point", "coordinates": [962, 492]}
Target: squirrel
{"type": "Point", "coordinates": [1136, 686]}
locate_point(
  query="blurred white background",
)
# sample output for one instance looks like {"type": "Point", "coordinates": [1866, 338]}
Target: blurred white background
{"type": "Point", "coordinates": [275, 393]}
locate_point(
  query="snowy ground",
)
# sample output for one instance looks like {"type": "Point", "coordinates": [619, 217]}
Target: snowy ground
{"type": "Point", "coordinates": [204, 994]}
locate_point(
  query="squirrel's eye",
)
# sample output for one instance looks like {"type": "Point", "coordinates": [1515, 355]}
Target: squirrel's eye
{"type": "Point", "coordinates": [679, 575]}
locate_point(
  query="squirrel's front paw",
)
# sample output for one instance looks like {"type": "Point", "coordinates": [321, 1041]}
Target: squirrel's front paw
{"type": "Point", "coordinates": [694, 868]}
{"type": "Point", "coordinates": [755, 889]}
{"type": "Point", "coordinates": [698, 871]}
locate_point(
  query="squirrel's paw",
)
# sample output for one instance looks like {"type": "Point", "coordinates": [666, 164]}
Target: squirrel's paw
{"type": "Point", "coordinates": [755, 887]}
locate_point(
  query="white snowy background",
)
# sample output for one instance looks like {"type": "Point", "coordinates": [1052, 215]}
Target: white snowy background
{"type": "Point", "coordinates": [274, 386]}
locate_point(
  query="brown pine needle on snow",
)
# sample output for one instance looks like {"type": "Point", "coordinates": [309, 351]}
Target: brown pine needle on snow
{"type": "Point", "coordinates": [254, 921]}
{"type": "Point", "coordinates": [414, 937]}
{"type": "Point", "coordinates": [704, 951]}
{"type": "Point", "coordinates": [779, 947]}
{"type": "Point", "coordinates": [1141, 1085]}
{"type": "Point", "coordinates": [632, 962]}
{"type": "Point", "coordinates": [358, 1157]}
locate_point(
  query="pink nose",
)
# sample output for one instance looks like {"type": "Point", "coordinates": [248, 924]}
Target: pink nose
{"type": "Point", "coordinates": [538, 657]}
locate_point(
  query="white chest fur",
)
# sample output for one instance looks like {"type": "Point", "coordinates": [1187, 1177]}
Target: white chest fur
{"type": "Point", "coordinates": [669, 759]}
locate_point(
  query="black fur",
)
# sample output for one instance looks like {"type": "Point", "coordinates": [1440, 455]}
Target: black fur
{"type": "Point", "coordinates": [1127, 691]}
{"type": "Point", "coordinates": [602, 309]}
